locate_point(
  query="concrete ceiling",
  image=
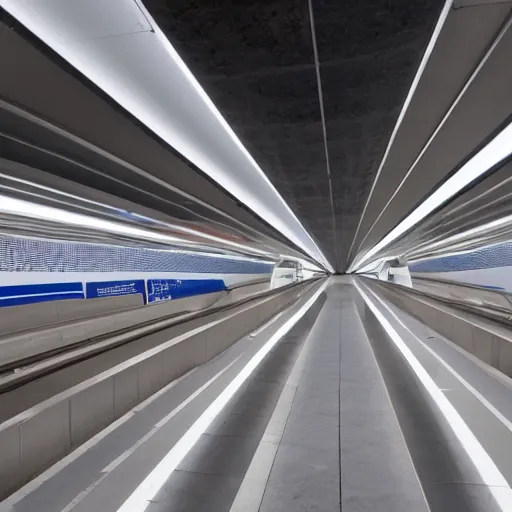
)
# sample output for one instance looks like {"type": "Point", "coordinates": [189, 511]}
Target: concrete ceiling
{"type": "Point", "coordinates": [256, 60]}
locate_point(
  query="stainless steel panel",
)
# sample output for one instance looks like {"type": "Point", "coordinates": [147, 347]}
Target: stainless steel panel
{"type": "Point", "coordinates": [466, 36]}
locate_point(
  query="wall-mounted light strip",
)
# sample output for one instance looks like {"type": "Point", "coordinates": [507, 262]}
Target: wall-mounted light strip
{"type": "Point", "coordinates": [483, 463]}
{"type": "Point", "coordinates": [493, 153]}
{"type": "Point", "coordinates": [454, 252]}
{"type": "Point", "coordinates": [470, 233]}
{"type": "Point", "coordinates": [77, 203]}
{"type": "Point", "coordinates": [40, 212]}
{"type": "Point", "coordinates": [140, 499]}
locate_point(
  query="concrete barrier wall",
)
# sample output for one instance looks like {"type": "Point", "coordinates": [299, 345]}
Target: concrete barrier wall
{"type": "Point", "coordinates": [34, 316]}
{"type": "Point", "coordinates": [32, 441]}
{"type": "Point", "coordinates": [489, 341]}
{"type": "Point", "coordinates": [17, 319]}
{"type": "Point", "coordinates": [54, 325]}
{"type": "Point", "coordinates": [30, 343]}
{"type": "Point", "coordinates": [242, 292]}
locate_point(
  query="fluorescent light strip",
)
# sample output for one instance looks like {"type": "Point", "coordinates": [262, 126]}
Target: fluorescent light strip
{"type": "Point", "coordinates": [471, 232]}
{"type": "Point", "coordinates": [135, 169]}
{"type": "Point", "coordinates": [493, 153]}
{"type": "Point", "coordinates": [27, 209]}
{"type": "Point", "coordinates": [41, 212]}
{"type": "Point", "coordinates": [155, 221]}
{"type": "Point", "coordinates": [55, 191]}
{"type": "Point", "coordinates": [419, 73]}
{"type": "Point", "coordinates": [118, 210]}
{"type": "Point", "coordinates": [140, 499]}
{"type": "Point", "coordinates": [485, 466]}
{"type": "Point", "coordinates": [220, 256]}
{"type": "Point", "coordinates": [448, 254]}
{"type": "Point", "coordinates": [201, 234]}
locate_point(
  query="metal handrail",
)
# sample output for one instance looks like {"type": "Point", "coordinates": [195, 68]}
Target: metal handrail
{"type": "Point", "coordinates": [475, 289]}
{"type": "Point", "coordinates": [94, 346]}
{"type": "Point", "coordinates": [486, 307]}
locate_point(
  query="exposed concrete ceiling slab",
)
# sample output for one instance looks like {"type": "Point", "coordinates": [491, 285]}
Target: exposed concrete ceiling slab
{"type": "Point", "coordinates": [257, 62]}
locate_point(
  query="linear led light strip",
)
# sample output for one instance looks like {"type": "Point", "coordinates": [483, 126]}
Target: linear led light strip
{"type": "Point", "coordinates": [139, 500]}
{"type": "Point", "coordinates": [126, 164]}
{"type": "Point", "coordinates": [485, 466]}
{"type": "Point", "coordinates": [455, 252]}
{"type": "Point", "coordinates": [27, 209]}
{"type": "Point", "coordinates": [489, 226]}
{"type": "Point", "coordinates": [497, 150]}
{"type": "Point", "coordinates": [201, 234]}
{"type": "Point", "coordinates": [55, 191]}
{"type": "Point", "coordinates": [454, 215]}
{"type": "Point", "coordinates": [183, 229]}
{"type": "Point", "coordinates": [141, 173]}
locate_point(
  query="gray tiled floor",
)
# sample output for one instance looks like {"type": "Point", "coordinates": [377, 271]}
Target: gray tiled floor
{"type": "Point", "coordinates": [211, 474]}
{"type": "Point", "coordinates": [305, 475]}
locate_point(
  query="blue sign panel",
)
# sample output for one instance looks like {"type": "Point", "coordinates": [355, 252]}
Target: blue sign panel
{"type": "Point", "coordinates": [114, 288]}
{"type": "Point", "coordinates": [168, 289]}
{"type": "Point", "coordinates": [18, 295]}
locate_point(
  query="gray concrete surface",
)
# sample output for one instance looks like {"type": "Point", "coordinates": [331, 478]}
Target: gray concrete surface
{"type": "Point", "coordinates": [358, 431]}
{"type": "Point", "coordinates": [32, 316]}
{"type": "Point", "coordinates": [51, 337]}
{"type": "Point", "coordinates": [489, 341]}
{"type": "Point", "coordinates": [50, 429]}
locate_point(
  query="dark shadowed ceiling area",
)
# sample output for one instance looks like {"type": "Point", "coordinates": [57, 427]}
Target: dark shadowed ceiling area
{"type": "Point", "coordinates": [256, 60]}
